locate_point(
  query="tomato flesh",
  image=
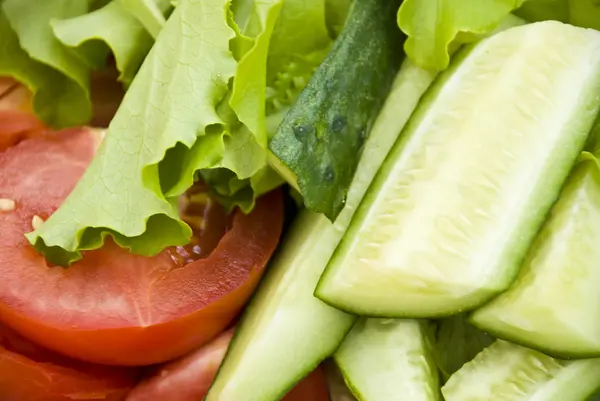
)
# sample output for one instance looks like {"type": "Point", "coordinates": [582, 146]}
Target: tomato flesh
{"type": "Point", "coordinates": [113, 307]}
{"type": "Point", "coordinates": [190, 378]}
{"type": "Point", "coordinates": [30, 373]}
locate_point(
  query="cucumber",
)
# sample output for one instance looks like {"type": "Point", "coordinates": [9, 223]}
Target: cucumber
{"type": "Point", "coordinates": [554, 304]}
{"type": "Point", "coordinates": [319, 141]}
{"type": "Point", "coordinates": [509, 372]}
{"type": "Point", "coordinates": [389, 359]}
{"type": "Point", "coordinates": [285, 331]}
{"type": "Point", "coordinates": [450, 216]}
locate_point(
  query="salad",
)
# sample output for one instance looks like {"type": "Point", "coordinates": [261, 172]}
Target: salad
{"type": "Point", "coordinates": [312, 200]}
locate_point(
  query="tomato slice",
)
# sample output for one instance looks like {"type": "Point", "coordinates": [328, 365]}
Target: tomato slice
{"type": "Point", "coordinates": [113, 307]}
{"type": "Point", "coordinates": [189, 378]}
{"type": "Point", "coordinates": [30, 373]}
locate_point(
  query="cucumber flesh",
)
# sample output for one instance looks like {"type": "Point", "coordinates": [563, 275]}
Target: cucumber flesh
{"type": "Point", "coordinates": [450, 216]}
{"type": "Point", "coordinates": [285, 331]}
{"type": "Point", "coordinates": [554, 304]}
{"type": "Point", "coordinates": [510, 372]}
{"type": "Point", "coordinates": [389, 359]}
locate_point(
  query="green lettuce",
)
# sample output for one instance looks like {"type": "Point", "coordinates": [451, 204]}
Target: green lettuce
{"type": "Point", "coordinates": [53, 46]}
{"type": "Point", "coordinates": [150, 13]}
{"type": "Point", "coordinates": [29, 21]}
{"type": "Point", "coordinates": [182, 113]}
{"type": "Point", "coordinates": [435, 27]}
{"type": "Point", "coordinates": [110, 28]}
{"type": "Point", "coordinates": [57, 100]}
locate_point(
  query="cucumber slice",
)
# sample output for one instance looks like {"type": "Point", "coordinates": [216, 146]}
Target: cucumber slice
{"type": "Point", "coordinates": [554, 304]}
{"type": "Point", "coordinates": [509, 372]}
{"type": "Point", "coordinates": [450, 216]}
{"type": "Point", "coordinates": [286, 331]}
{"type": "Point", "coordinates": [389, 359]}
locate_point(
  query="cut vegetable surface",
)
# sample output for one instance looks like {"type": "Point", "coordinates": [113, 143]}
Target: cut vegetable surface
{"type": "Point", "coordinates": [450, 216]}
{"type": "Point", "coordinates": [320, 139]}
{"type": "Point", "coordinates": [286, 331]}
{"type": "Point", "coordinates": [554, 304]}
{"type": "Point", "coordinates": [31, 373]}
{"type": "Point", "coordinates": [389, 359]}
{"type": "Point", "coordinates": [114, 307]}
{"type": "Point", "coordinates": [508, 372]}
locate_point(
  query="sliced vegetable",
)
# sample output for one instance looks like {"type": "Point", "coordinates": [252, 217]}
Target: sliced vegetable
{"type": "Point", "coordinates": [189, 378]}
{"type": "Point", "coordinates": [283, 314]}
{"type": "Point", "coordinates": [554, 303]}
{"type": "Point", "coordinates": [114, 307]}
{"type": "Point", "coordinates": [150, 157]}
{"type": "Point", "coordinates": [456, 343]}
{"type": "Point", "coordinates": [451, 214]}
{"type": "Point", "coordinates": [382, 359]}
{"type": "Point", "coordinates": [319, 141]}
{"type": "Point", "coordinates": [29, 372]}
{"type": "Point", "coordinates": [507, 372]}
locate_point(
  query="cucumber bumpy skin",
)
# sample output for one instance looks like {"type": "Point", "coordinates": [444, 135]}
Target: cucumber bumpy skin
{"type": "Point", "coordinates": [448, 220]}
{"type": "Point", "coordinates": [319, 141]}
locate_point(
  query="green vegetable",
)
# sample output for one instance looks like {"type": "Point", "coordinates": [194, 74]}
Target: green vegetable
{"type": "Point", "coordinates": [320, 138]}
{"type": "Point", "coordinates": [109, 28]}
{"type": "Point", "coordinates": [584, 13]}
{"type": "Point", "coordinates": [178, 116]}
{"type": "Point", "coordinates": [508, 372]}
{"type": "Point", "coordinates": [434, 27]}
{"type": "Point", "coordinates": [53, 46]}
{"type": "Point", "coordinates": [456, 343]}
{"type": "Point", "coordinates": [150, 13]}
{"type": "Point", "coordinates": [55, 97]}
{"type": "Point", "coordinates": [283, 314]}
{"type": "Point", "coordinates": [382, 358]}
{"type": "Point", "coordinates": [29, 19]}
{"type": "Point", "coordinates": [448, 220]}
{"type": "Point", "coordinates": [553, 304]}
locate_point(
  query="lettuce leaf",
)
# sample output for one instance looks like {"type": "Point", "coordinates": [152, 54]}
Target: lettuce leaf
{"type": "Point", "coordinates": [434, 27]}
{"type": "Point", "coordinates": [584, 13]}
{"type": "Point", "coordinates": [178, 116]}
{"type": "Point", "coordinates": [29, 19]}
{"type": "Point", "coordinates": [150, 13]}
{"type": "Point", "coordinates": [57, 100]}
{"type": "Point", "coordinates": [110, 28]}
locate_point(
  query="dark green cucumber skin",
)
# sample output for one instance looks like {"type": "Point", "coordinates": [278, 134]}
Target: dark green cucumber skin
{"type": "Point", "coordinates": [321, 137]}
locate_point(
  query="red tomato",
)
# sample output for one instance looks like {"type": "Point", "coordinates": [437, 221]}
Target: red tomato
{"type": "Point", "coordinates": [30, 373]}
{"type": "Point", "coordinates": [189, 378]}
{"type": "Point", "coordinates": [113, 307]}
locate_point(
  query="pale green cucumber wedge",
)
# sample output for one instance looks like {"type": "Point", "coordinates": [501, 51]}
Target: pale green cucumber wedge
{"type": "Point", "coordinates": [554, 305]}
{"type": "Point", "coordinates": [388, 360]}
{"type": "Point", "coordinates": [449, 218]}
{"type": "Point", "coordinates": [285, 331]}
{"type": "Point", "coordinates": [510, 372]}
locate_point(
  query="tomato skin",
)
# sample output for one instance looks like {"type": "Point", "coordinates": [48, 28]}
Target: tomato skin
{"type": "Point", "coordinates": [190, 378]}
{"type": "Point", "coordinates": [30, 373]}
{"type": "Point", "coordinates": [112, 307]}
